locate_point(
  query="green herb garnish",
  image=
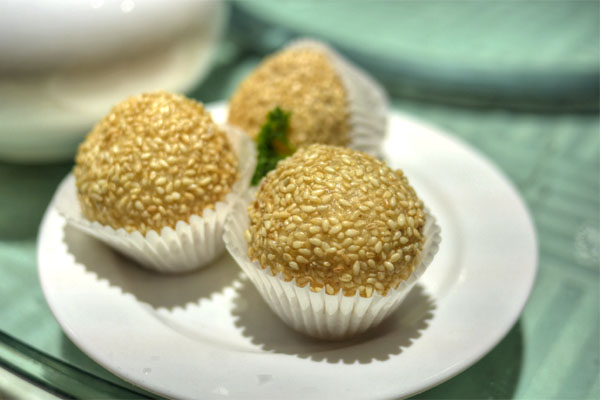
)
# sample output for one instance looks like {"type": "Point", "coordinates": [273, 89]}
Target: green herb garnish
{"type": "Point", "coordinates": [272, 143]}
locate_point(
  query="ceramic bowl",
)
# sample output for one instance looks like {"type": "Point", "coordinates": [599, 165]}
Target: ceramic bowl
{"type": "Point", "coordinates": [64, 64]}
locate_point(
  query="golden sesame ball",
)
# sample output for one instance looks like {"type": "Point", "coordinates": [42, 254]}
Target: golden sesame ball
{"type": "Point", "coordinates": [336, 218]}
{"type": "Point", "coordinates": [302, 81]}
{"type": "Point", "coordinates": [154, 160]}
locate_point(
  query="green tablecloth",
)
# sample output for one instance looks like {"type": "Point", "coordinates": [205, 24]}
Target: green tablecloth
{"type": "Point", "coordinates": [552, 352]}
{"type": "Point", "coordinates": [521, 54]}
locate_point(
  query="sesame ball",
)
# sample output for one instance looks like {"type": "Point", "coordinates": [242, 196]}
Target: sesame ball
{"type": "Point", "coordinates": [154, 160]}
{"type": "Point", "coordinates": [302, 81]}
{"type": "Point", "coordinates": [338, 219]}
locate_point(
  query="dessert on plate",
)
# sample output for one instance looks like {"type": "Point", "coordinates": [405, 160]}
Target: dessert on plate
{"type": "Point", "coordinates": [333, 240]}
{"type": "Point", "coordinates": [331, 100]}
{"type": "Point", "coordinates": [156, 178]}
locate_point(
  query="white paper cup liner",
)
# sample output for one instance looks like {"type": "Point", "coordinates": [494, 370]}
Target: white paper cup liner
{"type": "Point", "coordinates": [367, 101]}
{"type": "Point", "coordinates": [322, 315]}
{"type": "Point", "coordinates": [192, 244]}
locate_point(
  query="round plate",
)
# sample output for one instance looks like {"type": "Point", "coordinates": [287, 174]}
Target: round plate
{"type": "Point", "coordinates": [209, 334]}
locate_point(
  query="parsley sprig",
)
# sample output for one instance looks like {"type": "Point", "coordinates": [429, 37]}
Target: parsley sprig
{"type": "Point", "coordinates": [272, 143]}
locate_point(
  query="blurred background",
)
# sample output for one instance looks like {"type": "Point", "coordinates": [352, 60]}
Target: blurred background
{"type": "Point", "coordinates": [517, 80]}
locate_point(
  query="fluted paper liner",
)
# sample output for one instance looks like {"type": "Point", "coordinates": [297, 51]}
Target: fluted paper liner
{"type": "Point", "coordinates": [192, 244]}
{"type": "Point", "coordinates": [367, 101]}
{"type": "Point", "coordinates": [322, 315]}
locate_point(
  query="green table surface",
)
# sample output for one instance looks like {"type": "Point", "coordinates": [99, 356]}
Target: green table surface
{"type": "Point", "coordinates": [523, 54]}
{"type": "Point", "coordinates": [553, 351]}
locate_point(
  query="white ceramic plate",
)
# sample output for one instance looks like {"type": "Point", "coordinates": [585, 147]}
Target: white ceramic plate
{"type": "Point", "coordinates": [209, 334]}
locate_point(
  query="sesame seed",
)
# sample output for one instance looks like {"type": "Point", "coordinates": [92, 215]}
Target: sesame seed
{"type": "Point", "coordinates": [356, 268]}
{"type": "Point", "coordinates": [314, 229]}
{"type": "Point", "coordinates": [329, 289]}
{"type": "Point", "coordinates": [293, 265]}
{"type": "Point", "coordinates": [360, 241]}
{"type": "Point", "coordinates": [315, 241]}
{"type": "Point", "coordinates": [290, 227]}
{"type": "Point", "coordinates": [205, 181]}
{"type": "Point", "coordinates": [396, 256]}
{"type": "Point", "coordinates": [300, 235]}
{"type": "Point", "coordinates": [344, 203]}
{"type": "Point", "coordinates": [335, 229]}
{"type": "Point", "coordinates": [401, 220]}
{"type": "Point", "coordinates": [305, 252]}
{"type": "Point", "coordinates": [302, 260]}
{"type": "Point", "coordinates": [352, 233]}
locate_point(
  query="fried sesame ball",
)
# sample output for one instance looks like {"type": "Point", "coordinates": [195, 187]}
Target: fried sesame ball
{"type": "Point", "coordinates": [154, 160]}
{"type": "Point", "coordinates": [338, 219]}
{"type": "Point", "coordinates": [302, 81]}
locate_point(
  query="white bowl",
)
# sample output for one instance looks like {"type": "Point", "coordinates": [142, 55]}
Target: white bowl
{"type": "Point", "coordinates": [64, 64]}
